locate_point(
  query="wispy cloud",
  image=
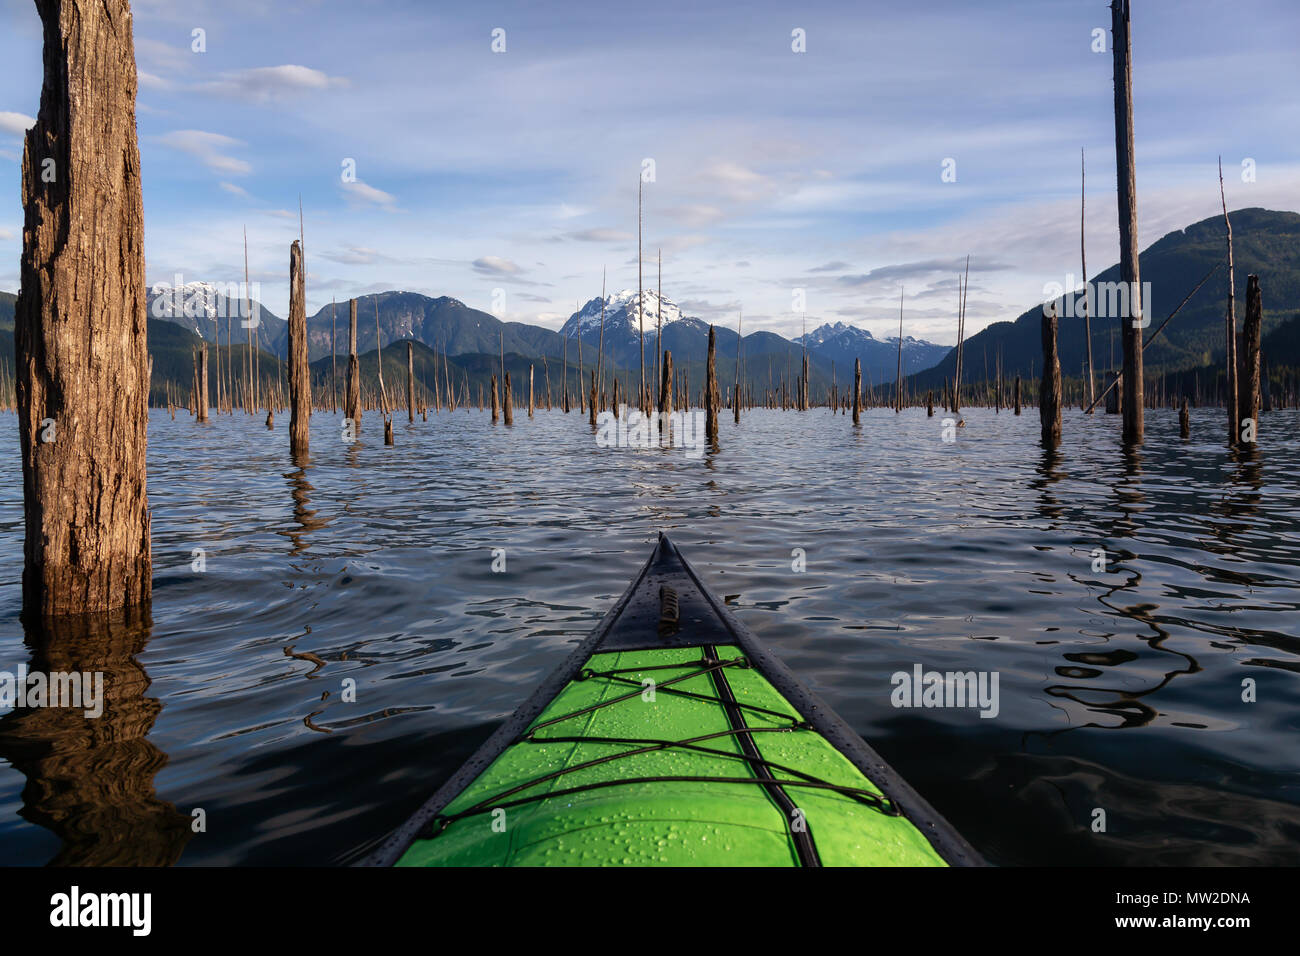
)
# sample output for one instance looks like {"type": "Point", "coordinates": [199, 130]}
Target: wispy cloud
{"type": "Point", "coordinates": [496, 266]}
{"type": "Point", "coordinates": [362, 193]}
{"type": "Point", "coordinates": [267, 83]}
{"type": "Point", "coordinates": [600, 235]}
{"type": "Point", "coordinates": [15, 124]}
{"type": "Point", "coordinates": [209, 148]}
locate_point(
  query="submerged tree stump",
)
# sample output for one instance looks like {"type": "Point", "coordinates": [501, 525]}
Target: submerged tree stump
{"type": "Point", "coordinates": [666, 386]}
{"type": "Point", "coordinates": [509, 402]}
{"type": "Point", "coordinates": [857, 391]}
{"type": "Point", "coordinates": [410, 383]}
{"type": "Point", "coordinates": [82, 386]}
{"type": "Point", "coordinates": [1049, 394]}
{"type": "Point", "coordinates": [203, 382]}
{"type": "Point", "coordinates": [1184, 421]}
{"type": "Point", "coordinates": [1017, 394]}
{"type": "Point", "coordinates": [299, 370]}
{"type": "Point", "coordinates": [710, 392]}
{"type": "Point", "coordinates": [352, 402]}
{"type": "Point", "coordinates": [1248, 358]}
{"type": "Point", "coordinates": [496, 406]}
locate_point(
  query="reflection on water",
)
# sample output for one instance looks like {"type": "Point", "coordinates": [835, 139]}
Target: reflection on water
{"type": "Point", "coordinates": [91, 780]}
{"type": "Point", "coordinates": [349, 644]}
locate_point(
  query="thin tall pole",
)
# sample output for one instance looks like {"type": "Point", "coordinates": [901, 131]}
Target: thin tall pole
{"type": "Point", "coordinates": [1083, 255]}
{"type": "Point", "coordinates": [639, 310]}
{"type": "Point", "coordinates": [898, 377]}
{"type": "Point", "coordinates": [1130, 274]}
{"type": "Point", "coordinates": [600, 349]}
{"type": "Point", "coordinates": [1230, 323]}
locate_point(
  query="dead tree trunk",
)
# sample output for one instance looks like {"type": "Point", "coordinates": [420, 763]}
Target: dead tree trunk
{"type": "Point", "coordinates": [79, 323]}
{"type": "Point", "coordinates": [735, 395]}
{"type": "Point", "coordinates": [1017, 394]}
{"type": "Point", "coordinates": [299, 370]}
{"type": "Point", "coordinates": [496, 408]}
{"type": "Point", "coordinates": [857, 391]}
{"type": "Point", "coordinates": [1049, 394]}
{"type": "Point", "coordinates": [352, 403]}
{"type": "Point", "coordinates": [1133, 322]}
{"type": "Point", "coordinates": [1248, 360]}
{"type": "Point", "coordinates": [666, 386]}
{"type": "Point", "coordinates": [710, 391]}
{"type": "Point", "coordinates": [1230, 323]}
{"type": "Point", "coordinates": [509, 401]}
{"type": "Point", "coordinates": [203, 382]}
{"type": "Point", "coordinates": [1184, 421]}
{"type": "Point", "coordinates": [530, 391]}
{"type": "Point", "coordinates": [410, 383]}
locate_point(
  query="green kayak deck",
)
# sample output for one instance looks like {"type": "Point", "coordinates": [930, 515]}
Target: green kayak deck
{"type": "Point", "coordinates": [672, 738]}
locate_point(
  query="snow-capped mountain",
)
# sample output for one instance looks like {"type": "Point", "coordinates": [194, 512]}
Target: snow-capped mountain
{"type": "Point", "coordinates": [842, 343]}
{"type": "Point", "coordinates": [622, 318]}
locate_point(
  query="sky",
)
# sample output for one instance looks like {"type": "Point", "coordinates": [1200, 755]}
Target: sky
{"type": "Point", "coordinates": [492, 151]}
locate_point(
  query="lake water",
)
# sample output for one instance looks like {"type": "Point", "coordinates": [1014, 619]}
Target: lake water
{"type": "Point", "coordinates": [1120, 690]}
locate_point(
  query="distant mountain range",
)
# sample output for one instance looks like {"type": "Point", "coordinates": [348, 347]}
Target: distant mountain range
{"type": "Point", "coordinates": [447, 324]}
{"type": "Point", "coordinates": [1265, 242]}
{"type": "Point", "coordinates": [844, 343]}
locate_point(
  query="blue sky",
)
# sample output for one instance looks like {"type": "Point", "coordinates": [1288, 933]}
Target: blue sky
{"type": "Point", "coordinates": [774, 170]}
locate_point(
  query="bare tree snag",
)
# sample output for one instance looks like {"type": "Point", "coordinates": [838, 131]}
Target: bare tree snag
{"type": "Point", "coordinates": [1128, 228]}
{"type": "Point", "coordinates": [857, 392]}
{"type": "Point", "coordinates": [410, 383]}
{"type": "Point", "coordinates": [1049, 395]}
{"type": "Point", "coordinates": [299, 370]}
{"type": "Point", "coordinates": [666, 386]}
{"type": "Point", "coordinates": [80, 323]}
{"type": "Point", "coordinates": [710, 391]}
{"type": "Point", "coordinates": [352, 402]}
{"type": "Point", "coordinates": [1248, 359]}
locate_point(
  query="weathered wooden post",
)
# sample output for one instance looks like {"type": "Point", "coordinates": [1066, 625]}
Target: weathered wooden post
{"type": "Point", "coordinates": [1184, 420]}
{"type": "Point", "coordinates": [735, 392]}
{"type": "Point", "coordinates": [410, 382]}
{"type": "Point", "coordinates": [1248, 360]}
{"type": "Point", "coordinates": [352, 403]}
{"type": "Point", "coordinates": [1049, 395]}
{"type": "Point", "coordinates": [857, 392]}
{"type": "Point", "coordinates": [299, 370]}
{"type": "Point", "coordinates": [203, 382]}
{"type": "Point", "coordinates": [710, 391]}
{"type": "Point", "coordinates": [82, 386]}
{"type": "Point", "coordinates": [1128, 228]}
{"type": "Point", "coordinates": [1233, 388]}
{"type": "Point", "coordinates": [496, 408]}
{"type": "Point", "coordinates": [666, 386]}
{"type": "Point", "coordinates": [509, 402]}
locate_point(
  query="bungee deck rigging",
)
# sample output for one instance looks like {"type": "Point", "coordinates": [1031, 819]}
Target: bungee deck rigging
{"type": "Point", "coordinates": [672, 737]}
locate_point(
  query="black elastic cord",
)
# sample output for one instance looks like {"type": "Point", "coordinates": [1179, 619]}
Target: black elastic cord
{"type": "Point", "coordinates": [649, 745]}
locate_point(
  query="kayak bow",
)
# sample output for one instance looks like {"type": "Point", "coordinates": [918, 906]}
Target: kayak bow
{"type": "Point", "coordinates": [671, 736]}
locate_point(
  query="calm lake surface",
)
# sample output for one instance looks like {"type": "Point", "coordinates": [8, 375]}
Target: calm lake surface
{"type": "Point", "coordinates": [1120, 690]}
